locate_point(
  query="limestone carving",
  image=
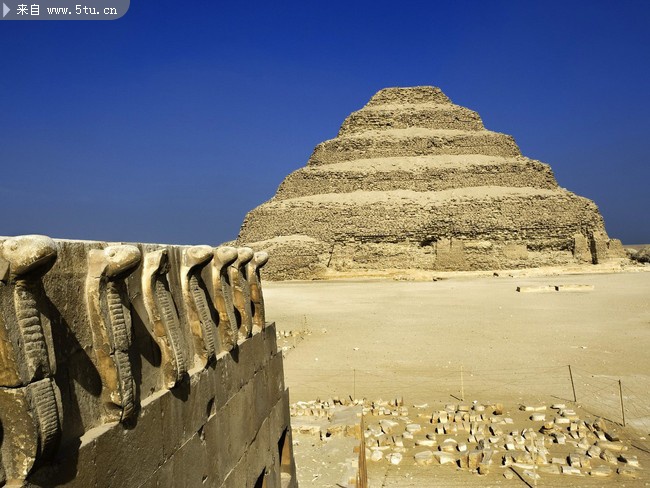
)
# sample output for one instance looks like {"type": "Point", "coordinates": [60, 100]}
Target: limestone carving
{"type": "Point", "coordinates": [222, 295]}
{"type": "Point", "coordinates": [253, 267]}
{"type": "Point", "coordinates": [241, 292]}
{"type": "Point", "coordinates": [29, 398]}
{"type": "Point", "coordinates": [414, 181]}
{"type": "Point", "coordinates": [199, 310]}
{"type": "Point", "coordinates": [163, 315]}
{"type": "Point", "coordinates": [110, 320]}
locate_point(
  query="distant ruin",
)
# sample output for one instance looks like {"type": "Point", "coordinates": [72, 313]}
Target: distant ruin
{"type": "Point", "coordinates": [413, 181]}
{"type": "Point", "coordinates": [138, 365]}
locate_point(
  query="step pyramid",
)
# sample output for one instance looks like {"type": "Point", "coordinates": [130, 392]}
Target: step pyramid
{"type": "Point", "coordinates": [415, 182]}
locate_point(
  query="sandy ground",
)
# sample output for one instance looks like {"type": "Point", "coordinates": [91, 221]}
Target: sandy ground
{"type": "Point", "coordinates": [471, 337]}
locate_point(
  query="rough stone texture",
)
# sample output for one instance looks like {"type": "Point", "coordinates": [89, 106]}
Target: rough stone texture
{"type": "Point", "coordinates": [85, 398]}
{"type": "Point", "coordinates": [413, 181]}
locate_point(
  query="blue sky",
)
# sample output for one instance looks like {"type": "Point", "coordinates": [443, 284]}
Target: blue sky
{"type": "Point", "coordinates": [169, 124]}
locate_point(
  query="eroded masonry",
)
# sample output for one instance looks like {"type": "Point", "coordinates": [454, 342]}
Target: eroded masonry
{"type": "Point", "coordinates": [138, 365]}
{"type": "Point", "coordinates": [413, 181]}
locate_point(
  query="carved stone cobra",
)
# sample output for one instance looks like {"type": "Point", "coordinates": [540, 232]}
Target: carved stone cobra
{"type": "Point", "coordinates": [241, 292]}
{"type": "Point", "coordinates": [163, 316]}
{"type": "Point", "coordinates": [255, 284]}
{"type": "Point", "coordinates": [29, 405]}
{"type": "Point", "coordinates": [110, 321]}
{"type": "Point", "coordinates": [222, 296]}
{"type": "Point", "coordinates": [199, 310]}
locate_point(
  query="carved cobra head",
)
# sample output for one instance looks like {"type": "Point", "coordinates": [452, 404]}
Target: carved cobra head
{"type": "Point", "coordinates": [120, 258]}
{"type": "Point", "coordinates": [244, 255]}
{"type": "Point", "coordinates": [260, 258]}
{"type": "Point", "coordinates": [225, 255]}
{"type": "Point", "coordinates": [196, 255]}
{"type": "Point", "coordinates": [25, 253]}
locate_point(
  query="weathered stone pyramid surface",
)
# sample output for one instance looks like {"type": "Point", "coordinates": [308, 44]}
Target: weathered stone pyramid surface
{"type": "Point", "coordinates": [413, 181]}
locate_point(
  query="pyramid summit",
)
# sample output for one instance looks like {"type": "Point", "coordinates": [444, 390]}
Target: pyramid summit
{"type": "Point", "coordinates": [415, 182]}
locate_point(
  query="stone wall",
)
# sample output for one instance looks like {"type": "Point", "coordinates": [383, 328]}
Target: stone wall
{"type": "Point", "coordinates": [138, 365]}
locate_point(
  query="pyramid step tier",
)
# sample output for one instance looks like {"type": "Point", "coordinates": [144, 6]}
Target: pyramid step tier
{"type": "Point", "coordinates": [479, 213]}
{"type": "Point", "coordinates": [417, 173]}
{"type": "Point", "coordinates": [413, 142]}
{"type": "Point", "coordinates": [406, 96]}
{"type": "Point", "coordinates": [428, 116]}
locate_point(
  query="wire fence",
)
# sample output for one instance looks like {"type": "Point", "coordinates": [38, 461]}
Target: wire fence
{"type": "Point", "coordinates": [625, 401]}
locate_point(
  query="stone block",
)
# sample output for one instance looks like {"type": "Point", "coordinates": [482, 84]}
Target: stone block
{"type": "Point", "coordinates": [237, 477]}
{"type": "Point", "coordinates": [581, 249]}
{"type": "Point", "coordinates": [279, 416]}
{"type": "Point", "coordinates": [129, 456]}
{"type": "Point", "coordinates": [190, 467]}
{"type": "Point", "coordinates": [515, 252]}
{"type": "Point", "coordinates": [598, 246]}
{"type": "Point", "coordinates": [262, 455]}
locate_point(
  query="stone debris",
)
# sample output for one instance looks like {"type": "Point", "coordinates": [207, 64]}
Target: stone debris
{"type": "Point", "coordinates": [571, 470]}
{"type": "Point", "coordinates": [629, 460]}
{"type": "Point", "coordinates": [628, 472]}
{"type": "Point", "coordinates": [394, 458]}
{"type": "Point", "coordinates": [444, 457]}
{"type": "Point", "coordinates": [413, 428]}
{"type": "Point", "coordinates": [574, 288]}
{"type": "Point", "coordinates": [376, 455]}
{"type": "Point", "coordinates": [602, 471]}
{"type": "Point", "coordinates": [475, 437]}
{"type": "Point", "coordinates": [289, 339]}
{"type": "Point", "coordinates": [532, 475]}
{"type": "Point", "coordinates": [423, 458]}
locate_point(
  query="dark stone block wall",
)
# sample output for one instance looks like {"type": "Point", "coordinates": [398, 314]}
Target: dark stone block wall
{"type": "Point", "coordinates": [138, 365]}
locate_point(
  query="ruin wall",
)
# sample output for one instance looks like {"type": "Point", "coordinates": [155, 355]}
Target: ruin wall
{"type": "Point", "coordinates": [138, 365]}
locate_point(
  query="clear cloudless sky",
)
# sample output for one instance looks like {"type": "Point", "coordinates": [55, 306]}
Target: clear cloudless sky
{"type": "Point", "coordinates": [169, 124]}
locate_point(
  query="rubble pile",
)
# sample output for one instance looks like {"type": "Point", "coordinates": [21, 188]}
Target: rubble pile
{"type": "Point", "coordinates": [532, 441]}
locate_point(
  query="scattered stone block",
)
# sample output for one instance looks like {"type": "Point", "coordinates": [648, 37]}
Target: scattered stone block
{"type": "Point", "coordinates": [448, 445]}
{"type": "Point", "coordinates": [628, 472]}
{"type": "Point", "coordinates": [536, 289]}
{"type": "Point", "coordinates": [551, 469]}
{"type": "Point", "coordinates": [570, 470]}
{"type": "Point", "coordinates": [394, 458]}
{"type": "Point", "coordinates": [424, 458]}
{"type": "Point", "coordinates": [474, 459]}
{"type": "Point", "coordinates": [594, 451]}
{"type": "Point", "coordinates": [612, 446]}
{"type": "Point", "coordinates": [425, 442]}
{"type": "Point", "coordinates": [559, 438]}
{"type": "Point", "coordinates": [444, 457]}
{"type": "Point", "coordinates": [608, 457]}
{"type": "Point", "coordinates": [601, 471]}
{"type": "Point", "coordinates": [389, 426]}
{"type": "Point", "coordinates": [532, 475]}
{"type": "Point", "coordinates": [574, 288]}
{"type": "Point", "coordinates": [632, 461]}
{"type": "Point", "coordinates": [376, 455]}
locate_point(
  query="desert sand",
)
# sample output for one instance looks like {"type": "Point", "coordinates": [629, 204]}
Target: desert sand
{"type": "Point", "coordinates": [472, 336]}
